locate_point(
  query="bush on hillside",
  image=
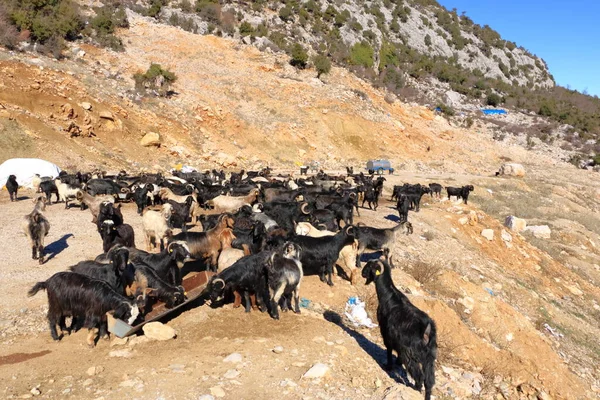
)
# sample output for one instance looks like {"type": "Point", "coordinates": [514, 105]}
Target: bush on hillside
{"type": "Point", "coordinates": [155, 79]}
{"type": "Point", "coordinates": [299, 56]}
{"type": "Point", "coordinates": [361, 54]}
{"type": "Point", "coordinates": [322, 64]}
{"type": "Point", "coordinates": [493, 100]}
{"type": "Point", "coordinates": [46, 19]}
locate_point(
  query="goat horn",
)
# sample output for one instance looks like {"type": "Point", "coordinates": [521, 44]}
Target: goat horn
{"type": "Point", "coordinates": [303, 208]}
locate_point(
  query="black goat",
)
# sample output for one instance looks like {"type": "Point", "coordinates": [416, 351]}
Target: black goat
{"type": "Point", "coordinates": [460, 193]}
{"type": "Point", "coordinates": [404, 328]}
{"type": "Point", "coordinates": [113, 234]}
{"type": "Point", "coordinates": [320, 254]}
{"type": "Point", "coordinates": [145, 277]}
{"type": "Point", "coordinates": [403, 205]}
{"type": "Point", "coordinates": [167, 263]}
{"type": "Point", "coordinates": [304, 170]}
{"type": "Point", "coordinates": [436, 189]}
{"type": "Point", "coordinates": [284, 274]}
{"type": "Point", "coordinates": [113, 273]}
{"type": "Point", "coordinates": [246, 275]}
{"type": "Point", "coordinates": [13, 187]}
{"type": "Point", "coordinates": [181, 213]}
{"type": "Point", "coordinates": [78, 296]}
{"type": "Point", "coordinates": [141, 197]}
{"type": "Point", "coordinates": [109, 211]}
{"type": "Point", "coordinates": [49, 188]}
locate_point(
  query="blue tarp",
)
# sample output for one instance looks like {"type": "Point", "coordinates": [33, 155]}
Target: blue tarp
{"type": "Point", "coordinates": [493, 111]}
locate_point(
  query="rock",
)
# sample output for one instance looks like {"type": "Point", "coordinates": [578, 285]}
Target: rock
{"type": "Point", "coordinates": [574, 290]}
{"type": "Point", "coordinates": [120, 353]}
{"type": "Point", "coordinates": [505, 236]}
{"type": "Point", "coordinates": [87, 382]}
{"type": "Point", "coordinates": [206, 397]}
{"type": "Point", "coordinates": [138, 340]}
{"type": "Point", "coordinates": [107, 115]}
{"type": "Point", "coordinates": [318, 370]}
{"type": "Point", "coordinates": [159, 331]}
{"type": "Point", "coordinates": [35, 391]}
{"type": "Point", "coordinates": [177, 368]}
{"type": "Point", "coordinates": [512, 169]}
{"type": "Point", "coordinates": [544, 396]}
{"type": "Point", "coordinates": [91, 371]}
{"type": "Point", "coordinates": [233, 358]}
{"type": "Point", "coordinates": [488, 234]}
{"type": "Point", "coordinates": [231, 374]}
{"type": "Point", "coordinates": [515, 224]}
{"type": "Point", "coordinates": [150, 139]}
{"type": "Point", "coordinates": [473, 218]}
{"type": "Point", "coordinates": [463, 221]}
{"type": "Point", "coordinates": [86, 106]}
{"type": "Point", "coordinates": [278, 349]}
{"type": "Point", "coordinates": [217, 391]}
{"type": "Point", "coordinates": [540, 231]}
{"type": "Point", "coordinates": [468, 303]}
{"type": "Point", "coordinates": [117, 341]}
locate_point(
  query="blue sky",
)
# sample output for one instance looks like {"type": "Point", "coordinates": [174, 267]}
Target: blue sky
{"type": "Point", "coordinates": [564, 33]}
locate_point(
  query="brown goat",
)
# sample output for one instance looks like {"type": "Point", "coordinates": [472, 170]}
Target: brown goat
{"type": "Point", "coordinates": [208, 245]}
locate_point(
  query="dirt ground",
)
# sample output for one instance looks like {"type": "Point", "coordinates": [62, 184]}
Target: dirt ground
{"type": "Point", "coordinates": [485, 298]}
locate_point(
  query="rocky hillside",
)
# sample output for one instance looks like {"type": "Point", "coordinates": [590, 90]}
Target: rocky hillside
{"type": "Point", "coordinates": [380, 27]}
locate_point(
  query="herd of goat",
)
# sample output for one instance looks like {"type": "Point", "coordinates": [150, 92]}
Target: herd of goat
{"type": "Point", "coordinates": [260, 235]}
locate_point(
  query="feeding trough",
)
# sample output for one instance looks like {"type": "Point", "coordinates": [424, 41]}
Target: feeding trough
{"type": "Point", "coordinates": [193, 283]}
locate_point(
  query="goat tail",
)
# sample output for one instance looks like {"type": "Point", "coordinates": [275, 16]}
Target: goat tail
{"type": "Point", "coordinates": [428, 362]}
{"type": "Point", "coordinates": [36, 288]}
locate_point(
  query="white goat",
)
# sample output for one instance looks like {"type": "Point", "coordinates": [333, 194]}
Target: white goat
{"type": "Point", "coordinates": [156, 226]}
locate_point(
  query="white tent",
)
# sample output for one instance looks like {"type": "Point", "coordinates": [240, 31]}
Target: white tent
{"type": "Point", "coordinates": [25, 169]}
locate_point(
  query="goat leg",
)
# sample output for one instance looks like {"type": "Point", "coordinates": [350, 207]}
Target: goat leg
{"type": "Point", "coordinates": [296, 301]}
{"type": "Point", "coordinates": [253, 301]}
{"type": "Point", "coordinates": [390, 359]}
{"type": "Point", "coordinates": [41, 253]}
{"type": "Point", "coordinates": [237, 299]}
{"type": "Point", "coordinates": [34, 251]}
{"type": "Point", "coordinates": [247, 301]}
{"type": "Point", "coordinates": [52, 323]}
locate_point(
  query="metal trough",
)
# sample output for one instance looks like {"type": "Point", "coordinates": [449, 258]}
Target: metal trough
{"type": "Point", "coordinates": [193, 283]}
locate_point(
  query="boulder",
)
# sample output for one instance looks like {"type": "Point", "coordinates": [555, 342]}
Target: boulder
{"type": "Point", "coordinates": [86, 106]}
{"type": "Point", "coordinates": [515, 224]}
{"type": "Point", "coordinates": [540, 231]}
{"type": "Point", "coordinates": [107, 115]}
{"type": "Point", "coordinates": [512, 169]}
{"type": "Point", "coordinates": [158, 331]}
{"type": "Point", "coordinates": [488, 234]}
{"type": "Point", "coordinates": [318, 370]}
{"type": "Point", "coordinates": [150, 139]}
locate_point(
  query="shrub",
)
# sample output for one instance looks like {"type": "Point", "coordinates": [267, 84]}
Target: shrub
{"type": "Point", "coordinates": [9, 36]}
{"type": "Point", "coordinates": [322, 64]}
{"type": "Point", "coordinates": [155, 78]}
{"type": "Point", "coordinates": [286, 14]}
{"type": "Point", "coordinates": [427, 40]}
{"type": "Point", "coordinates": [246, 29]}
{"type": "Point", "coordinates": [155, 7]}
{"type": "Point", "coordinates": [493, 100]}
{"type": "Point", "coordinates": [45, 19]}
{"type": "Point", "coordinates": [209, 10]}
{"type": "Point", "coordinates": [299, 56]}
{"type": "Point", "coordinates": [362, 54]}
{"type": "Point", "coordinates": [446, 109]}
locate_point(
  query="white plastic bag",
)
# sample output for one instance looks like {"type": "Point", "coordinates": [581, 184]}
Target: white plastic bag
{"type": "Point", "coordinates": [356, 313]}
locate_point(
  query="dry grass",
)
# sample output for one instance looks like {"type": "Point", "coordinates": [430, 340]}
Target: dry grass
{"type": "Point", "coordinates": [424, 272]}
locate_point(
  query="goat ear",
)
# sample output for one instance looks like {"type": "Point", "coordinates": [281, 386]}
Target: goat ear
{"type": "Point", "coordinates": [427, 334]}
